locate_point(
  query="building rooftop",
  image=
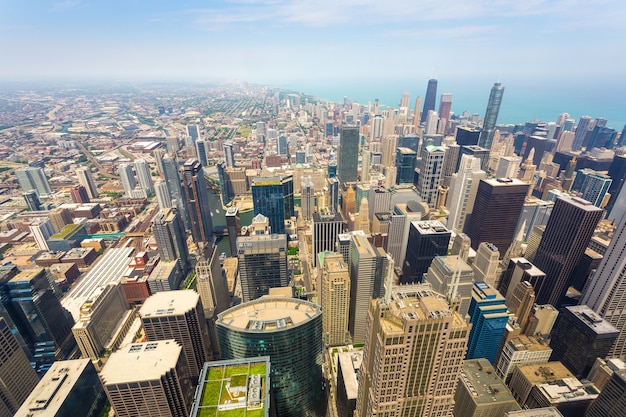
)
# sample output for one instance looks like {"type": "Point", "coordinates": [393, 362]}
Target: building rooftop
{"type": "Point", "coordinates": [50, 393]}
{"type": "Point", "coordinates": [141, 362]}
{"type": "Point", "coordinates": [350, 363]}
{"type": "Point", "coordinates": [453, 263]}
{"type": "Point", "coordinates": [430, 227]}
{"type": "Point", "coordinates": [544, 372]}
{"type": "Point", "coordinates": [27, 274]}
{"type": "Point", "coordinates": [169, 303]}
{"type": "Point", "coordinates": [592, 320]}
{"type": "Point", "coordinates": [535, 412]}
{"type": "Point", "coordinates": [528, 267]}
{"type": "Point", "coordinates": [269, 314]}
{"type": "Point", "coordinates": [528, 343]}
{"type": "Point", "coordinates": [481, 381]}
{"type": "Point", "coordinates": [568, 390]}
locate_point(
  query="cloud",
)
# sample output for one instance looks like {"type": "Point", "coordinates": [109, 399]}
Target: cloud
{"type": "Point", "coordinates": [65, 5]}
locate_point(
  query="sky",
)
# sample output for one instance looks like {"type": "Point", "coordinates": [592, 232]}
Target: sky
{"type": "Point", "coordinates": [311, 44]}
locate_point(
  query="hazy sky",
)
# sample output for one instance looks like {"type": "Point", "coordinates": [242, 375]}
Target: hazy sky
{"type": "Point", "coordinates": [285, 41]}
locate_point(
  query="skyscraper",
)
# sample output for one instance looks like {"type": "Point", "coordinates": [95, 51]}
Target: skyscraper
{"type": "Point", "coordinates": [453, 277]}
{"type": "Point", "coordinates": [429, 99]}
{"type": "Point", "coordinates": [413, 354]}
{"type": "Point", "coordinates": [462, 194]}
{"type": "Point", "coordinates": [289, 331]}
{"type": "Point", "coordinates": [606, 291]}
{"type": "Point", "coordinates": [171, 175]}
{"type": "Point", "coordinates": [488, 316]}
{"type": "Point", "coordinates": [564, 241]}
{"type": "Point", "coordinates": [79, 194]}
{"type": "Point", "coordinates": [326, 228]}
{"type": "Point", "coordinates": [201, 152]}
{"type": "Point", "coordinates": [178, 315]}
{"type": "Point", "coordinates": [348, 155]}
{"type": "Point", "coordinates": [406, 161]}
{"type": "Point", "coordinates": [169, 233]}
{"type": "Point", "coordinates": [273, 198]}
{"type": "Point", "coordinates": [491, 116]}
{"type": "Point", "coordinates": [593, 186]}
{"type": "Point", "coordinates": [445, 105]}
{"type": "Point", "coordinates": [162, 194]}
{"type": "Point", "coordinates": [497, 207]}
{"type": "Point", "coordinates": [143, 174]}
{"type": "Point", "coordinates": [197, 198]}
{"type": "Point", "coordinates": [612, 398]}
{"type": "Point", "coordinates": [307, 194]}
{"type": "Point", "coordinates": [581, 132]}
{"type": "Point", "coordinates": [42, 230]}
{"type": "Point", "coordinates": [429, 175]}
{"type": "Point", "coordinates": [335, 299]}
{"type": "Point", "coordinates": [229, 155]}
{"type": "Point", "coordinates": [127, 179]}
{"type": "Point", "coordinates": [32, 200]}
{"type": "Point", "coordinates": [427, 239]}
{"type": "Point", "coordinates": [33, 178]}
{"type": "Point", "coordinates": [86, 180]}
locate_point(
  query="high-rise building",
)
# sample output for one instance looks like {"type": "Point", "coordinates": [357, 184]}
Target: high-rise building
{"type": "Point", "coordinates": [578, 337]}
{"type": "Point", "coordinates": [406, 161]}
{"type": "Point", "coordinates": [86, 180]}
{"type": "Point", "coordinates": [212, 285]}
{"type": "Point", "coordinates": [273, 198]}
{"type": "Point", "coordinates": [162, 194]}
{"type": "Point", "coordinates": [412, 356]}
{"type": "Point", "coordinates": [197, 199]}
{"type": "Point", "coordinates": [289, 331]}
{"type": "Point", "coordinates": [486, 264]}
{"type": "Point", "coordinates": [369, 267]}
{"type": "Point", "coordinates": [445, 105]}
{"type": "Point", "coordinates": [326, 228]}
{"type": "Point", "coordinates": [171, 175]}
{"type": "Point", "coordinates": [480, 392]}
{"type": "Point", "coordinates": [432, 121]}
{"type": "Point", "coordinates": [467, 136]}
{"type": "Point", "coordinates": [17, 375]}
{"type": "Point", "coordinates": [535, 212]}
{"type": "Point", "coordinates": [335, 299]}
{"type": "Point", "coordinates": [201, 152]}
{"type": "Point", "coordinates": [612, 398]}
{"type": "Point", "coordinates": [520, 351]}
{"type": "Point", "coordinates": [488, 316]}
{"type": "Point", "coordinates": [60, 217]}
{"type": "Point", "coordinates": [127, 179]}
{"type": "Point", "coordinates": [491, 116]}
{"type": "Point", "coordinates": [78, 194]}
{"type": "Point", "coordinates": [233, 225]}
{"type": "Point", "coordinates": [33, 178]}
{"type": "Point", "coordinates": [143, 174]}
{"type": "Point", "coordinates": [521, 302]}
{"type": "Point", "coordinates": [262, 262]}
{"type": "Point", "coordinates": [229, 155]}
{"type": "Point", "coordinates": [429, 99]}
{"type": "Point", "coordinates": [427, 239]}
{"type": "Point", "coordinates": [169, 233]}
{"type": "Point", "coordinates": [69, 388]}
{"type": "Point", "coordinates": [148, 379]}
{"type": "Point", "coordinates": [307, 198]}
{"type": "Point", "coordinates": [41, 230]}
{"type": "Point", "coordinates": [497, 207]}
{"type": "Point", "coordinates": [593, 186]}
{"type": "Point", "coordinates": [178, 315]}
{"type": "Point", "coordinates": [388, 144]}
{"type": "Point", "coordinates": [453, 277]}
{"type": "Point", "coordinates": [193, 132]}
{"type": "Point", "coordinates": [581, 132]}
{"type": "Point", "coordinates": [348, 155]}
{"type": "Point", "coordinates": [606, 291]}
{"type": "Point", "coordinates": [564, 241]}
{"type": "Point", "coordinates": [32, 200]}
{"type": "Point", "coordinates": [429, 174]}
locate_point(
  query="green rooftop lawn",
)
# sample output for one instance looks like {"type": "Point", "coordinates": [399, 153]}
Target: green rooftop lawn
{"type": "Point", "coordinates": [234, 370]}
{"type": "Point", "coordinates": [61, 233]}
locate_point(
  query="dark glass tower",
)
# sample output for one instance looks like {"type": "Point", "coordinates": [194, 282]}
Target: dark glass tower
{"type": "Point", "coordinates": [197, 197]}
{"type": "Point", "coordinates": [406, 161]}
{"type": "Point", "coordinates": [273, 198]}
{"type": "Point", "coordinates": [169, 233]}
{"type": "Point", "coordinates": [426, 240]}
{"type": "Point", "coordinates": [348, 158]}
{"type": "Point", "coordinates": [172, 179]}
{"type": "Point", "coordinates": [491, 116]}
{"type": "Point", "coordinates": [567, 234]}
{"type": "Point", "coordinates": [617, 172]}
{"type": "Point", "coordinates": [429, 100]}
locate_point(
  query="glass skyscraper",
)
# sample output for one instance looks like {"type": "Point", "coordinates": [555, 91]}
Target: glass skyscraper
{"type": "Point", "coordinates": [348, 157]}
{"type": "Point", "coordinates": [491, 115]}
{"type": "Point", "coordinates": [273, 198]}
{"type": "Point", "coordinates": [429, 100]}
{"type": "Point", "coordinates": [197, 198]}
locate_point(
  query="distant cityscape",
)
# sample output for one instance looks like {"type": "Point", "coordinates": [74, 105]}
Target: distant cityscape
{"type": "Point", "coordinates": [236, 249]}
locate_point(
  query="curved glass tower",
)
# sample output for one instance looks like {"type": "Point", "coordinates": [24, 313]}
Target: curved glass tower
{"type": "Point", "coordinates": [491, 116]}
{"type": "Point", "coordinates": [289, 331]}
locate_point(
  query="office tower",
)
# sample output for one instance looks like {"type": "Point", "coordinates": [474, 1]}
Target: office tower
{"type": "Point", "coordinates": [520, 351]}
{"type": "Point", "coordinates": [60, 217]}
{"type": "Point", "coordinates": [234, 228]}
{"type": "Point", "coordinates": [612, 399]}
{"type": "Point", "coordinates": [450, 159]}
{"type": "Point", "coordinates": [432, 120]}
{"type": "Point", "coordinates": [273, 198]}
{"type": "Point", "coordinates": [429, 99]}
{"type": "Point", "coordinates": [541, 321]}
{"type": "Point", "coordinates": [201, 152]}
{"type": "Point", "coordinates": [521, 302]}
{"type": "Point", "coordinates": [212, 286]}
{"type": "Point", "coordinates": [197, 198]}
{"type": "Point", "coordinates": [445, 105]}
{"type": "Point", "coordinates": [143, 174]}
{"type": "Point", "coordinates": [480, 392]}
{"type": "Point", "coordinates": [406, 161]}
{"type": "Point", "coordinates": [42, 230]}
{"type": "Point", "coordinates": [477, 152]}
{"type": "Point", "coordinates": [70, 388]}
{"type": "Point", "coordinates": [86, 180]}
{"type": "Point", "coordinates": [376, 130]}
{"type": "Point", "coordinates": [617, 173]}
{"type": "Point", "coordinates": [335, 299]}
{"type": "Point", "coordinates": [453, 277]}
{"type": "Point", "coordinates": [508, 167]}
{"type": "Point", "coordinates": [32, 178]}
{"type": "Point", "coordinates": [417, 114]}
{"type": "Point", "coordinates": [41, 320]}
{"type": "Point", "coordinates": [171, 176]}
{"type": "Point", "coordinates": [535, 212]}
{"type": "Point", "coordinates": [388, 145]}
{"type": "Point", "coordinates": [104, 314]}
{"type": "Point", "coordinates": [158, 157]}
{"type": "Point", "coordinates": [488, 316]}
{"type": "Point", "coordinates": [169, 233]}
{"type": "Point", "coordinates": [461, 246]}
{"type": "Point", "coordinates": [578, 337]}
{"type": "Point", "coordinates": [485, 265]}
{"type": "Point", "coordinates": [369, 266]}
{"type": "Point", "coordinates": [429, 174]}
{"type": "Point", "coordinates": [32, 200]}
{"type": "Point", "coordinates": [427, 239]}
{"type": "Point", "coordinates": [282, 148]}
{"type": "Point", "coordinates": [289, 331]}
{"type": "Point", "coordinates": [347, 387]}
{"type": "Point", "coordinates": [348, 154]}
{"type": "Point", "coordinates": [79, 194]}
{"type": "Point", "coordinates": [593, 186]}
{"type": "Point", "coordinates": [415, 342]}
{"type": "Point", "coordinates": [497, 207]}
{"type": "Point", "coordinates": [17, 375]}
{"type": "Point", "coordinates": [178, 315]}
{"type": "Point", "coordinates": [148, 379]}
{"type": "Point", "coordinates": [127, 179]}
{"type": "Point", "coordinates": [162, 194]}
{"type": "Point", "coordinates": [229, 154]}
{"type": "Point", "coordinates": [172, 144]}
{"type": "Point", "coordinates": [193, 132]}
{"type": "Point", "coordinates": [602, 370]}
{"type": "Point", "coordinates": [307, 194]}
{"type": "Point", "coordinates": [366, 157]}
{"type": "Point", "coordinates": [581, 132]}
{"type": "Point", "coordinates": [262, 263]}
{"type": "Point", "coordinates": [491, 116]}
{"type": "Point", "coordinates": [333, 194]}
{"type": "Point", "coordinates": [326, 228]}
{"type": "Point", "coordinates": [567, 234]}
{"type": "Point", "coordinates": [467, 136]}
{"type": "Point", "coordinates": [362, 221]}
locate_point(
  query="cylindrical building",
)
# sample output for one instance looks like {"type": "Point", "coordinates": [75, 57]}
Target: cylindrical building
{"type": "Point", "coordinates": [289, 331]}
